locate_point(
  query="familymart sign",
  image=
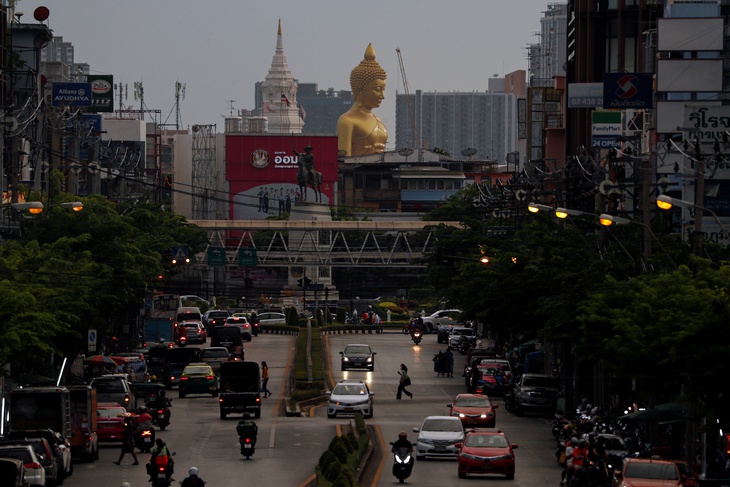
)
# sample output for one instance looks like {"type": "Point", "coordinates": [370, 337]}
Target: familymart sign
{"type": "Point", "coordinates": [606, 129]}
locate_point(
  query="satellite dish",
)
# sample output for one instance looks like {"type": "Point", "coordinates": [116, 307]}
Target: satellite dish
{"type": "Point", "coordinates": [41, 13]}
{"type": "Point", "coordinates": [469, 151]}
{"type": "Point", "coordinates": [405, 152]}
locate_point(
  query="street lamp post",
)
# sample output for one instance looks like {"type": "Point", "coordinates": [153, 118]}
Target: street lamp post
{"type": "Point", "coordinates": [666, 202]}
{"type": "Point", "coordinates": [607, 220]}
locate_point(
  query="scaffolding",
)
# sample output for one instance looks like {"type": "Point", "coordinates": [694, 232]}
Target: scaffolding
{"type": "Point", "coordinates": [205, 176]}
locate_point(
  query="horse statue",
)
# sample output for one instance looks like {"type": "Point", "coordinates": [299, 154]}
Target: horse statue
{"type": "Point", "coordinates": [308, 175]}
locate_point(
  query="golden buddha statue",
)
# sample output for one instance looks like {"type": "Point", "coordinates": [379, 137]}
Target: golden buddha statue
{"type": "Point", "coordinates": [359, 131]}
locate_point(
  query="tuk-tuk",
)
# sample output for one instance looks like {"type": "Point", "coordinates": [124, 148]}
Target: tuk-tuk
{"type": "Point", "coordinates": [11, 472]}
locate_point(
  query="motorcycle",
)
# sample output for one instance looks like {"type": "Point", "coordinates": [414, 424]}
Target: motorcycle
{"type": "Point", "coordinates": [255, 327]}
{"type": "Point", "coordinates": [161, 470]}
{"type": "Point", "coordinates": [161, 417]}
{"type": "Point", "coordinates": [182, 342]}
{"type": "Point", "coordinates": [247, 431]}
{"type": "Point", "coordinates": [144, 439]}
{"type": "Point", "coordinates": [416, 336]}
{"type": "Point", "coordinates": [402, 463]}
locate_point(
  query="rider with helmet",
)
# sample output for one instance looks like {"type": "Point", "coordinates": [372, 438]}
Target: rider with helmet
{"type": "Point", "coordinates": [193, 480]}
{"type": "Point", "coordinates": [160, 454]}
{"type": "Point", "coordinates": [402, 442]}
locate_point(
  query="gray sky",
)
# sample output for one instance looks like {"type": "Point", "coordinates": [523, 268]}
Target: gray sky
{"type": "Point", "coordinates": [220, 48]}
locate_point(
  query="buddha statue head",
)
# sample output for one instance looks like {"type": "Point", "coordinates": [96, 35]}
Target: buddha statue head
{"type": "Point", "coordinates": [365, 72]}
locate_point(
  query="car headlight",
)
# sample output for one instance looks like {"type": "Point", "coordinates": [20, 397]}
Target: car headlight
{"type": "Point", "coordinates": [466, 456]}
{"type": "Point", "coordinates": [370, 359]}
{"type": "Point", "coordinates": [345, 359]}
{"type": "Point", "coordinates": [425, 441]}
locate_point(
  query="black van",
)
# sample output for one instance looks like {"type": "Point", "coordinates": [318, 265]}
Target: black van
{"type": "Point", "coordinates": [226, 336]}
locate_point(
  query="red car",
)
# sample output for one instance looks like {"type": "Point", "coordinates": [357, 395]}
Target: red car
{"type": "Point", "coordinates": [110, 421]}
{"type": "Point", "coordinates": [474, 410]}
{"type": "Point", "coordinates": [647, 472]}
{"type": "Point", "coordinates": [486, 451]}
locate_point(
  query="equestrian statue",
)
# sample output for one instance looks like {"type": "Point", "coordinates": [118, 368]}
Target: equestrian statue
{"type": "Point", "coordinates": [308, 174]}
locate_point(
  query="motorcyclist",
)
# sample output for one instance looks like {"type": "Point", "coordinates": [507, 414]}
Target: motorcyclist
{"type": "Point", "coordinates": [402, 442]}
{"type": "Point", "coordinates": [162, 402]}
{"type": "Point", "coordinates": [144, 421]}
{"type": "Point", "coordinates": [160, 450]}
{"type": "Point", "coordinates": [418, 325]}
{"type": "Point", "coordinates": [246, 427]}
{"type": "Point", "coordinates": [193, 480]}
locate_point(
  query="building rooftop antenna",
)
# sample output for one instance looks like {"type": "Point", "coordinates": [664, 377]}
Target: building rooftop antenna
{"type": "Point", "coordinates": [231, 110]}
{"type": "Point", "coordinates": [179, 93]}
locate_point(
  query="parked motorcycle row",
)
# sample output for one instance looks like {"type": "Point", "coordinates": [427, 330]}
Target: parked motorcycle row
{"type": "Point", "coordinates": [590, 449]}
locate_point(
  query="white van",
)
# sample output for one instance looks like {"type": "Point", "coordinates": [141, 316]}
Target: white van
{"type": "Point", "coordinates": [188, 313]}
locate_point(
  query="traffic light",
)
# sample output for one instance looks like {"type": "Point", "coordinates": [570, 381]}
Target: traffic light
{"type": "Point", "coordinates": [304, 282]}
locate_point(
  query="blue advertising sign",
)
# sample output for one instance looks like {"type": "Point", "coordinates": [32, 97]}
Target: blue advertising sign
{"type": "Point", "coordinates": [71, 94]}
{"type": "Point", "coordinates": [628, 90]}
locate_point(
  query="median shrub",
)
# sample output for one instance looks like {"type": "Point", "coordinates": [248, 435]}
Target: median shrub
{"type": "Point", "coordinates": [332, 471]}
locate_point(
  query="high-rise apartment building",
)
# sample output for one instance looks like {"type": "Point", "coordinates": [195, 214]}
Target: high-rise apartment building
{"type": "Point", "coordinates": [547, 57]}
{"type": "Point", "coordinates": [320, 109]}
{"type": "Point", "coordinates": [455, 121]}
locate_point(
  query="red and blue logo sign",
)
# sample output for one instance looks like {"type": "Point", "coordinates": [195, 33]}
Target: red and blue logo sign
{"type": "Point", "coordinates": [628, 90]}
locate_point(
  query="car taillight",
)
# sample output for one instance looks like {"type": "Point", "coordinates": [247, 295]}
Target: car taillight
{"type": "Point", "coordinates": [33, 465]}
{"type": "Point", "coordinates": [181, 378]}
{"type": "Point", "coordinates": [209, 377]}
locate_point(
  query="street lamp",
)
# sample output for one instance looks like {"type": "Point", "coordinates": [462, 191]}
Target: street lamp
{"type": "Point", "coordinates": [537, 207]}
{"type": "Point", "coordinates": [665, 202]}
{"type": "Point", "coordinates": [564, 213]}
{"type": "Point", "coordinates": [607, 220]}
{"type": "Point", "coordinates": [32, 207]}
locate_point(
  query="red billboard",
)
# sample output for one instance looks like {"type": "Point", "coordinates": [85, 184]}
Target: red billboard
{"type": "Point", "coordinates": [262, 172]}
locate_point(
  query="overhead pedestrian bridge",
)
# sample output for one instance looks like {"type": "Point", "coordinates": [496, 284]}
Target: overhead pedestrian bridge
{"type": "Point", "coordinates": [313, 243]}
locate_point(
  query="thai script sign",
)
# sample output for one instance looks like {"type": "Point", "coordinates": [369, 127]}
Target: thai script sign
{"type": "Point", "coordinates": [706, 122]}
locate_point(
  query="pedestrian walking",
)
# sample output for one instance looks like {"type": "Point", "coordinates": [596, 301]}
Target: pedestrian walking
{"type": "Point", "coordinates": [128, 441]}
{"type": "Point", "coordinates": [449, 359]}
{"type": "Point", "coordinates": [403, 382]}
{"type": "Point", "coordinates": [265, 379]}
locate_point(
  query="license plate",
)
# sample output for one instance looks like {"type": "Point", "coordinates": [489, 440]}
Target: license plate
{"type": "Point", "coordinates": [248, 445]}
{"type": "Point", "coordinates": [440, 448]}
{"type": "Point", "coordinates": [540, 401]}
{"type": "Point", "coordinates": [348, 410]}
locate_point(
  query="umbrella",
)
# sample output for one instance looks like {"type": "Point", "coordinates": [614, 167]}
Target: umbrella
{"type": "Point", "coordinates": [100, 360]}
{"type": "Point", "coordinates": [119, 360]}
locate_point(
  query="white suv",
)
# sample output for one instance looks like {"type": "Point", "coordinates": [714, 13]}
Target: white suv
{"type": "Point", "coordinates": [442, 317]}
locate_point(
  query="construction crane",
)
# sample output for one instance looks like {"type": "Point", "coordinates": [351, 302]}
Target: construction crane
{"type": "Point", "coordinates": [408, 96]}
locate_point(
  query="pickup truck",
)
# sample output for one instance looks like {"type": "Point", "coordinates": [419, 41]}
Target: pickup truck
{"type": "Point", "coordinates": [442, 317]}
{"type": "Point", "coordinates": [240, 388]}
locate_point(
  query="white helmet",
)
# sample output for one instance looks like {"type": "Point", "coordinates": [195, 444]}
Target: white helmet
{"type": "Point", "coordinates": [193, 471]}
